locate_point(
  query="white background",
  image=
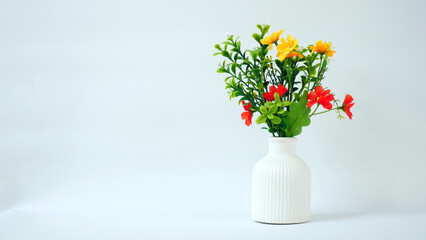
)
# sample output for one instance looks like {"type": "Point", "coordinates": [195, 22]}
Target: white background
{"type": "Point", "coordinates": [115, 125]}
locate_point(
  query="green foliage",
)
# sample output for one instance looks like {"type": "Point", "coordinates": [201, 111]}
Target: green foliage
{"type": "Point", "coordinates": [272, 113]}
{"type": "Point", "coordinates": [257, 37]}
{"type": "Point", "coordinates": [261, 119]}
{"type": "Point", "coordinates": [297, 116]}
{"type": "Point", "coordinates": [250, 73]}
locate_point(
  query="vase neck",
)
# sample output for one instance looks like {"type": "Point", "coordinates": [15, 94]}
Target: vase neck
{"type": "Point", "coordinates": [282, 145]}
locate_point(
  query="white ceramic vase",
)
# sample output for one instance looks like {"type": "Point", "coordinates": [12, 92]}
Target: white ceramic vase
{"type": "Point", "coordinates": [281, 187]}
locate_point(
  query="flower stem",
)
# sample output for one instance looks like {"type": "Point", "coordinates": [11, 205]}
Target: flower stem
{"type": "Point", "coordinates": [315, 110]}
{"type": "Point", "coordinates": [322, 112]}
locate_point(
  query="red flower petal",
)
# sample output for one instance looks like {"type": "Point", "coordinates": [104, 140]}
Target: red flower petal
{"type": "Point", "coordinates": [326, 92]}
{"type": "Point", "coordinates": [349, 105]}
{"type": "Point", "coordinates": [248, 122]}
{"type": "Point", "coordinates": [247, 115]}
{"type": "Point", "coordinates": [349, 114]}
{"type": "Point", "coordinates": [281, 90]}
{"type": "Point", "coordinates": [311, 103]}
{"type": "Point", "coordinates": [348, 99]}
{"type": "Point", "coordinates": [272, 89]}
{"type": "Point", "coordinates": [246, 106]}
{"type": "Point", "coordinates": [329, 97]}
{"type": "Point", "coordinates": [268, 96]}
{"type": "Point", "coordinates": [319, 90]}
{"type": "Point", "coordinates": [312, 96]}
{"type": "Point", "coordinates": [327, 105]}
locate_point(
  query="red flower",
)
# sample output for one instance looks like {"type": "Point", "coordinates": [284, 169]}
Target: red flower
{"type": "Point", "coordinates": [347, 104]}
{"type": "Point", "coordinates": [321, 97]}
{"type": "Point", "coordinates": [246, 106]}
{"type": "Point", "coordinates": [247, 115]}
{"type": "Point", "coordinates": [269, 96]}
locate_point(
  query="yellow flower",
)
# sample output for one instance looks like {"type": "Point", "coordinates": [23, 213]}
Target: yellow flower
{"type": "Point", "coordinates": [322, 48]}
{"type": "Point", "coordinates": [286, 47]}
{"type": "Point", "coordinates": [271, 39]}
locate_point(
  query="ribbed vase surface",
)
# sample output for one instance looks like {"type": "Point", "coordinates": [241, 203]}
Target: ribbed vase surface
{"type": "Point", "coordinates": [281, 187]}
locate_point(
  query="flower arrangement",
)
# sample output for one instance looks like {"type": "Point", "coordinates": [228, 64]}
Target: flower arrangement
{"type": "Point", "coordinates": [283, 90]}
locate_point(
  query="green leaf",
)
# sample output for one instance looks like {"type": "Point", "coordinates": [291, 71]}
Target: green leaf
{"type": "Point", "coordinates": [217, 46]}
{"type": "Point", "coordinates": [254, 54]}
{"type": "Point", "coordinates": [286, 103]}
{"type": "Point", "coordinates": [215, 54]}
{"type": "Point", "coordinates": [265, 29]}
{"type": "Point", "coordinates": [276, 120]}
{"type": "Point", "coordinates": [270, 116]}
{"type": "Point", "coordinates": [280, 112]}
{"type": "Point", "coordinates": [324, 63]}
{"type": "Point", "coordinates": [221, 70]}
{"type": "Point", "coordinates": [236, 57]}
{"type": "Point", "coordinates": [269, 104]}
{"type": "Point", "coordinates": [273, 109]}
{"type": "Point", "coordinates": [233, 67]}
{"type": "Point", "coordinates": [257, 37]}
{"type": "Point", "coordinates": [242, 99]}
{"type": "Point", "coordinates": [277, 96]}
{"type": "Point", "coordinates": [261, 119]}
{"type": "Point", "coordinates": [263, 110]}
{"type": "Point", "coordinates": [279, 63]}
{"type": "Point", "coordinates": [271, 130]}
{"type": "Point", "coordinates": [235, 94]}
{"type": "Point", "coordinates": [225, 53]}
{"type": "Point", "coordinates": [297, 116]}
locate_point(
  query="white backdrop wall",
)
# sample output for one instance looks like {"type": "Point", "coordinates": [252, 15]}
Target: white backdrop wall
{"type": "Point", "coordinates": [116, 106]}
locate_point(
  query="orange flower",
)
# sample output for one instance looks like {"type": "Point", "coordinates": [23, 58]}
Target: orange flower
{"type": "Point", "coordinates": [294, 53]}
{"type": "Point", "coordinates": [321, 97]}
{"type": "Point", "coordinates": [271, 39]}
{"type": "Point", "coordinates": [322, 48]}
{"type": "Point", "coordinates": [247, 114]}
{"type": "Point", "coordinates": [347, 104]}
{"type": "Point", "coordinates": [286, 47]}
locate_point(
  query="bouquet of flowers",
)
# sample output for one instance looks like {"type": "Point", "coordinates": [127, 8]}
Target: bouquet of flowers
{"type": "Point", "coordinates": [283, 90]}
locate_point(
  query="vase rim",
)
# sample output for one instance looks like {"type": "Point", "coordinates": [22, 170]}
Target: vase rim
{"type": "Point", "coordinates": [282, 139]}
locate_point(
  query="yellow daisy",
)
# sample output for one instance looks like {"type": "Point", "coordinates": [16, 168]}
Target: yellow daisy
{"type": "Point", "coordinates": [286, 47]}
{"type": "Point", "coordinates": [271, 39]}
{"type": "Point", "coordinates": [322, 48]}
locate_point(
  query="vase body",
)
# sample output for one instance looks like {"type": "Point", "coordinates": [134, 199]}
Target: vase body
{"type": "Point", "coordinates": [281, 185]}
